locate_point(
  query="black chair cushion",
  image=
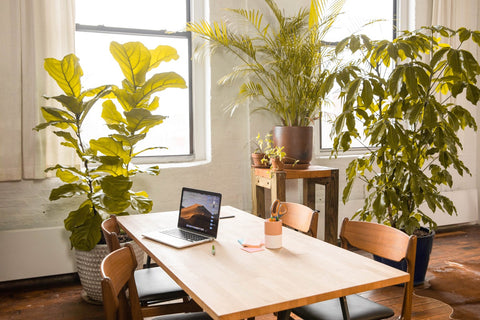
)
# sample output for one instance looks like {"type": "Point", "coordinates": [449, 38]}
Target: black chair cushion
{"type": "Point", "coordinates": [360, 309]}
{"type": "Point", "coordinates": [154, 284]}
{"type": "Point", "coordinates": [185, 316]}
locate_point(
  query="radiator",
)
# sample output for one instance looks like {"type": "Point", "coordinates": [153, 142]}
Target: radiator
{"type": "Point", "coordinates": [31, 253]}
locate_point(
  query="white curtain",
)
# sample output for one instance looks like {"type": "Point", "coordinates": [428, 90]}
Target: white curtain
{"type": "Point", "coordinates": [456, 13]}
{"type": "Point", "coordinates": [31, 30]}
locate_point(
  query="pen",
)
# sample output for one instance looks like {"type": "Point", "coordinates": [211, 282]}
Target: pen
{"type": "Point", "coordinates": [213, 249]}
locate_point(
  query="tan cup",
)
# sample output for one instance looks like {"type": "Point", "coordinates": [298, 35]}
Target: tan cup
{"type": "Point", "coordinates": [273, 234]}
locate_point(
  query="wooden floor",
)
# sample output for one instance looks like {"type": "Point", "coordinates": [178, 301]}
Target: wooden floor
{"type": "Point", "coordinates": [60, 297]}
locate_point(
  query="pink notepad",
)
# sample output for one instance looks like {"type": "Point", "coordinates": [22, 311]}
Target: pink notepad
{"type": "Point", "coordinates": [253, 249]}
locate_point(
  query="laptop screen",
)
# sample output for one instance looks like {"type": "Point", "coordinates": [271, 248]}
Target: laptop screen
{"type": "Point", "coordinates": [200, 211]}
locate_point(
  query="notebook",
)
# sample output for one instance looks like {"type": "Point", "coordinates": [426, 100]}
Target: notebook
{"type": "Point", "coordinates": [198, 218]}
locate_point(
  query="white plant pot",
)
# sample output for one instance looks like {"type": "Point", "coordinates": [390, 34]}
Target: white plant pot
{"type": "Point", "coordinates": [88, 268]}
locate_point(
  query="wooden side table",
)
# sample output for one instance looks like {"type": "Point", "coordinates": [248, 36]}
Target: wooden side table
{"type": "Point", "coordinates": [275, 181]}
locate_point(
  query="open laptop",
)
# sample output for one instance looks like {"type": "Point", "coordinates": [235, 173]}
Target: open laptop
{"type": "Point", "coordinates": [198, 218]}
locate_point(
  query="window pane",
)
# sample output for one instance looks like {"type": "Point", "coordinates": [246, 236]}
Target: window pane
{"type": "Point", "coordinates": [357, 14]}
{"type": "Point", "coordinates": [355, 19]}
{"type": "Point", "coordinates": [140, 14]}
{"type": "Point", "coordinates": [100, 68]}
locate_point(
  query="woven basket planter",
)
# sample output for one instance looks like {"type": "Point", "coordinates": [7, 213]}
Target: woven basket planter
{"type": "Point", "coordinates": [88, 267]}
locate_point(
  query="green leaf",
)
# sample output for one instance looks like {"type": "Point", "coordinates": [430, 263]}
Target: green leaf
{"type": "Point", "coordinates": [141, 203]}
{"type": "Point", "coordinates": [112, 165]}
{"type": "Point", "coordinates": [66, 191]}
{"type": "Point", "coordinates": [66, 73]}
{"type": "Point", "coordinates": [78, 217]}
{"type": "Point", "coordinates": [55, 117]}
{"type": "Point", "coordinates": [162, 81]}
{"type": "Point", "coordinates": [453, 58]}
{"type": "Point", "coordinates": [162, 54]}
{"type": "Point", "coordinates": [70, 103]}
{"type": "Point", "coordinates": [133, 59]}
{"type": "Point", "coordinates": [142, 120]}
{"type": "Point", "coordinates": [86, 236]}
{"type": "Point", "coordinates": [110, 147]}
{"type": "Point", "coordinates": [116, 187]}
{"type": "Point", "coordinates": [110, 113]}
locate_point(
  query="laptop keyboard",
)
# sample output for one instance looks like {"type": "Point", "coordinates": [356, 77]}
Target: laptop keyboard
{"type": "Point", "coordinates": [192, 237]}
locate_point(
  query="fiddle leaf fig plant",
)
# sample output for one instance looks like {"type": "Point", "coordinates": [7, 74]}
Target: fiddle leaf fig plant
{"type": "Point", "coordinates": [398, 101]}
{"type": "Point", "coordinates": [104, 179]}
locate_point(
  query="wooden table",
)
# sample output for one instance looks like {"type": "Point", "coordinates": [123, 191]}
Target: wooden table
{"type": "Point", "coordinates": [235, 284]}
{"type": "Point", "coordinates": [275, 181]}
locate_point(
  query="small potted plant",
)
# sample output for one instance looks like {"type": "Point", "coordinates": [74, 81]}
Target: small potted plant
{"type": "Point", "coordinates": [258, 154]}
{"type": "Point", "coordinates": [276, 154]}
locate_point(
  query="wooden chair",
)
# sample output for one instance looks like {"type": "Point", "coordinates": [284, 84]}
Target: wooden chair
{"type": "Point", "coordinates": [301, 218]}
{"type": "Point", "coordinates": [117, 271]}
{"type": "Point", "coordinates": [380, 240]}
{"type": "Point", "coordinates": [153, 285]}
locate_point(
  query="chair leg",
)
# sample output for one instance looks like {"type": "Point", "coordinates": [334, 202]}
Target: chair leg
{"type": "Point", "coordinates": [149, 260]}
{"type": "Point", "coordinates": [344, 305]}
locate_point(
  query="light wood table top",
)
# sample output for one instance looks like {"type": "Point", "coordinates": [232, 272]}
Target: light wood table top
{"type": "Point", "coordinates": [235, 284]}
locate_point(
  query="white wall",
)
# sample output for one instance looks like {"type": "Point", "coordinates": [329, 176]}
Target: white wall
{"type": "Point", "coordinates": [27, 217]}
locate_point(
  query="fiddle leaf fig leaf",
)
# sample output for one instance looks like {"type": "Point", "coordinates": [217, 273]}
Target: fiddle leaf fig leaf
{"type": "Point", "coordinates": [77, 217]}
{"type": "Point", "coordinates": [70, 103]}
{"type": "Point", "coordinates": [141, 202]}
{"type": "Point", "coordinates": [66, 73]}
{"type": "Point", "coordinates": [112, 165]}
{"type": "Point", "coordinates": [133, 59]}
{"type": "Point", "coordinates": [66, 191]}
{"type": "Point", "coordinates": [110, 147]}
{"type": "Point", "coordinates": [116, 187]}
{"type": "Point", "coordinates": [162, 81]}
{"type": "Point", "coordinates": [162, 54]}
{"type": "Point", "coordinates": [86, 236]}
{"type": "Point", "coordinates": [142, 119]}
{"type": "Point", "coordinates": [110, 113]}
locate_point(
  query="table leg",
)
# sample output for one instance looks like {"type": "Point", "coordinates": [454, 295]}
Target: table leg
{"type": "Point", "coordinates": [278, 186]}
{"type": "Point", "coordinates": [258, 197]}
{"type": "Point", "coordinates": [331, 202]}
{"type": "Point", "coordinates": [331, 208]}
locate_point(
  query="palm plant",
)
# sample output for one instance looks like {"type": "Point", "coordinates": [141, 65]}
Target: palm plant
{"type": "Point", "coordinates": [283, 64]}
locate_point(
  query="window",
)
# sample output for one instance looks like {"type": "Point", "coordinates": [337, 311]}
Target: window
{"type": "Point", "coordinates": [355, 18]}
{"type": "Point", "coordinates": [154, 23]}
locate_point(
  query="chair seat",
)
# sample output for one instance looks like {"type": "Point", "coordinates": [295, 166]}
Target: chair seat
{"type": "Point", "coordinates": [155, 285]}
{"type": "Point", "coordinates": [185, 316]}
{"type": "Point", "coordinates": [359, 307]}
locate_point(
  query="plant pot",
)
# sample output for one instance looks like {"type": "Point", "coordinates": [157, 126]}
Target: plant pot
{"type": "Point", "coordinates": [422, 257]}
{"type": "Point", "coordinates": [257, 160]}
{"type": "Point", "coordinates": [88, 268]}
{"type": "Point", "coordinates": [297, 143]}
{"type": "Point", "coordinates": [277, 164]}
{"type": "Point", "coordinates": [273, 234]}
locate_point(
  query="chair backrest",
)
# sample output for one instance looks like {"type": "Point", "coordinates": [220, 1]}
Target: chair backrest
{"type": "Point", "coordinates": [386, 242]}
{"type": "Point", "coordinates": [301, 218]}
{"type": "Point", "coordinates": [110, 230]}
{"type": "Point", "coordinates": [117, 276]}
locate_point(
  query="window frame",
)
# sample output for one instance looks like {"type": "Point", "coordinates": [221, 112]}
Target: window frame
{"type": "Point", "coordinates": [399, 15]}
{"type": "Point", "coordinates": [198, 133]}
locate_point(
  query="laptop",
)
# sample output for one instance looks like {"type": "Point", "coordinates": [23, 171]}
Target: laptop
{"type": "Point", "coordinates": [198, 219]}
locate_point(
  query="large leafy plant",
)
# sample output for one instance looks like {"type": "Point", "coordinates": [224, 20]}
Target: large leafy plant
{"type": "Point", "coordinates": [399, 101]}
{"type": "Point", "coordinates": [283, 64]}
{"type": "Point", "coordinates": [104, 179]}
